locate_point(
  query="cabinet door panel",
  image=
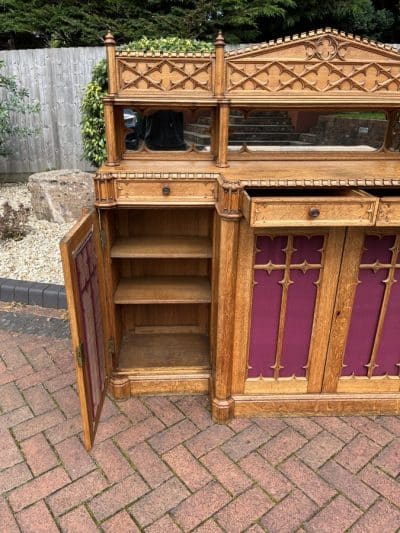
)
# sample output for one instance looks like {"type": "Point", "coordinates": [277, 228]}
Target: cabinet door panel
{"type": "Point", "coordinates": [292, 288]}
{"type": "Point", "coordinates": [80, 252]}
{"type": "Point", "coordinates": [364, 354]}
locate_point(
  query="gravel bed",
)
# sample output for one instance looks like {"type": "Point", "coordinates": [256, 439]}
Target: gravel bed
{"type": "Point", "coordinates": [36, 257]}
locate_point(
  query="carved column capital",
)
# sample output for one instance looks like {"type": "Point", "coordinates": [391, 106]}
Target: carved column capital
{"type": "Point", "coordinates": [104, 190]}
{"type": "Point", "coordinates": [228, 199]}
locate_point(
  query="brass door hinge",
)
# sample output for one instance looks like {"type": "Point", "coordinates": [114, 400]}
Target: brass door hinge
{"type": "Point", "coordinates": [103, 238]}
{"type": "Point", "coordinates": [80, 355]}
{"type": "Point", "coordinates": [111, 346]}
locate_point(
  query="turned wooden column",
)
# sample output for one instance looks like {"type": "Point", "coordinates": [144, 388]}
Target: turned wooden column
{"type": "Point", "coordinates": [221, 122]}
{"type": "Point", "coordinates": [228, 235]}
{"type": "Point", "coordinates": [219, 80]}
{"type": "Point", "coordinates": [223, 135]}
{"type": "Point", "coordinates": [111, 137]}
{"type": "Point", "coordinates": [109, 112]}
{"type": "Point", "coordinates": [109, 43]}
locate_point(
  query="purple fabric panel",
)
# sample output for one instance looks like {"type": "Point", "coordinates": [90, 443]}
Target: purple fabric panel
{"type": "Point", "coordinates": [85, 261]}
{"type": "Point", "coordinates": [364, 320]}
{"type": "Point", "coordinates": [90, 350]}
{"type": "Point", "coordinates": [307, 249]}
{"type": "Point", "coordinates": [267, 296]}
{"type": "Point", "coordinates": [377, 249]}
{"type": "Point", "coordinates": [367, 305]}
{"type": "Point", "coordinates": [389, 347]}
{"type": "Point", "coordinates": [270, 250]}
{"type": "Point", "coordinates": [298, 322]}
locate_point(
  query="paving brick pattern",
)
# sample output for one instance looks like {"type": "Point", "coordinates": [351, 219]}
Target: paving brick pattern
{"type": "Point", "coordinates": [161, 465]}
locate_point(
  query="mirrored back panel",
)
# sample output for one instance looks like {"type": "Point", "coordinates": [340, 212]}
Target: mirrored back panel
{"type": "Point", "coordinates": [167, 130]}
{"type": "Point", "coordinates": [306, 131]}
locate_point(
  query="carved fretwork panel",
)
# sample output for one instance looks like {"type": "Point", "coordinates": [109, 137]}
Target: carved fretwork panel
{"type": "Point", "coordinates": [287, 275]}
{"type": "Point", "coordinates": [373, 348]}
{"type": "Point", "coordinates": [327, 63]}
{"type": "Point", "coordinates": [164, 75]}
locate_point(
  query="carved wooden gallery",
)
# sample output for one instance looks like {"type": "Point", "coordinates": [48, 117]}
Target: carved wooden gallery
{"type": "Point", "coordinates": [245, 237]}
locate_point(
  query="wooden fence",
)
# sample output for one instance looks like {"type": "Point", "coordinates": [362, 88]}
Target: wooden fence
{"type": "Point", "coordinates": [55, 77]}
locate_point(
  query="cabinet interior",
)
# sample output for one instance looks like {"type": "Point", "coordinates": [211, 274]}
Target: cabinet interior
{"type": "Point", "coordinates": [161, 272]}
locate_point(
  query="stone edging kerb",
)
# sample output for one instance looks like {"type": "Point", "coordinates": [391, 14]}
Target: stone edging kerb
{"type": "Point", "coordinates": [32, 293]}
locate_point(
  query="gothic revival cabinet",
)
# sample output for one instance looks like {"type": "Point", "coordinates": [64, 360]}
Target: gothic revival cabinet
{"type": "Point", "coordinates": [245, 237]}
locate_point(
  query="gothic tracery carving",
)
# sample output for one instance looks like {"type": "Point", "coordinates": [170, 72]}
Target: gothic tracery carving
{"type": "Point", "coordinates": [165, 74]}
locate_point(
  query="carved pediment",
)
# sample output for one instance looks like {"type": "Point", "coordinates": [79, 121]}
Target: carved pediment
{"type": "Point", "coordinates": [316, 62]}
{"type": "Point", "coordinates": [323, 45]}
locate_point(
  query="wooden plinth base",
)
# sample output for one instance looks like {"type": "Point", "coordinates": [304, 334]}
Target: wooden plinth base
{"type": "Point", "coordinates": [221, 410]}
{"type": "Point", "coordinates": [122, 387]}
{"type": "Point", "coordinates": [316, 404]}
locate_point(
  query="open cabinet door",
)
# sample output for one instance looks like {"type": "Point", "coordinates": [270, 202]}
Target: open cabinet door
{"type": "Point", "coordinates": [84, 287]}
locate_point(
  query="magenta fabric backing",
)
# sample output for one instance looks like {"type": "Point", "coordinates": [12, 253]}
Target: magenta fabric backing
{"type": "Point", "coordinates": [365, 315]}
{"type": "Point", "coordinates": [85, 261]}
{"type": "Point", "coordinates": [267, 298]}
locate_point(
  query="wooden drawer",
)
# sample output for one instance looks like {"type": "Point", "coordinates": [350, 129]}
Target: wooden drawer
{"type": "Point", "coordinates": [169, 192]}
{"type": "Point", "coordinates": [388, 213]}
{"type": "Point", "coordinates": [308, 207]}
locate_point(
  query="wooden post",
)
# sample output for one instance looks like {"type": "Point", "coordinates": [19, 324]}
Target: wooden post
{"type": "Point", "coordinates": [219, 83]}
{"type": "Point", "coordinates": [109, 43]}
{"type": "Point", "coordinates": [109, 114]}
{"type": "Point", "coordinates": [222, 112]}
{"type": "Point", "coordinates": [223, 135]}
{"type": "Point", "coordinates": [228, 237]}
{"type": "Point", "coordinates": [111, 138]}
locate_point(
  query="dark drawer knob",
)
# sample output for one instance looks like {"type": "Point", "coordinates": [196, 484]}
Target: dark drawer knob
{"type": "Point", "coordinates": [166, 190]}
{"type": "Point", "coordinates": [314, 212]}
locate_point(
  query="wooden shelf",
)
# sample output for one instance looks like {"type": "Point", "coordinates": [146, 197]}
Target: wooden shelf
{"type": "Point", "coordinates": [161, 247]}
{"type": "Point", "coordinates": [163, 290]}
{"type": "Point", "coordinates": [184, 352]}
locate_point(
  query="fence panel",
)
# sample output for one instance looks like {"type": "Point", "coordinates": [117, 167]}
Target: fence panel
{"type": "Point", "coordinates": [56, 78]}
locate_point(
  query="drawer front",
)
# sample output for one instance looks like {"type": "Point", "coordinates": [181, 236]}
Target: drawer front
{"type": "Point", "coordinates": [169, 192]}
{"type": "Point", "coordinates": [333, 211]}
{"type": "Point", "coordinates": [388, 212]}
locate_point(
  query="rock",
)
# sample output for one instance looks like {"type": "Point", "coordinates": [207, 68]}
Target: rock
{"type": "Point", "coordinates": [59, 195]}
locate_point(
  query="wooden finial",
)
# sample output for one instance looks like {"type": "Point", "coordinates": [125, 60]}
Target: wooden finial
{"type": "Point", "coordinates": [109, 39]}
{"type": "Point", "coordinates": [219, 41]}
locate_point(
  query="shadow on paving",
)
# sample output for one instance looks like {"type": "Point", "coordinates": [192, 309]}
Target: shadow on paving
{"type": "Point", "coordinates": [34, 324]}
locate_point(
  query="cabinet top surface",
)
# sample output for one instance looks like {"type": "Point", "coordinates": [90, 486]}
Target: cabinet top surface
{"type": "Point", "coordinates": [331, 172]}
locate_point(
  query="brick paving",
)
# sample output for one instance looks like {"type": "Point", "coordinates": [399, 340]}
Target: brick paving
{"type": "Point", "coordinates": [161, 465]}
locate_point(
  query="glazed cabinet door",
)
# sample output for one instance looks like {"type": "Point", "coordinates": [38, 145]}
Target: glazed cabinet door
{"type": "Point", "coordinates": [285, 294]}
{"type": "Point", "coordinates": [364, 351]}
{"type": "Point", "coordinates": [84, 284]}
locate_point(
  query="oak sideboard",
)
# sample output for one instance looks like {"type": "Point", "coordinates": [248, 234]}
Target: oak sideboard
{"type": "Point", "coordinates": [245, 238]}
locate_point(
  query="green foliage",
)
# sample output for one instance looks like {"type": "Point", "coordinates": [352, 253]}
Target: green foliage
{"type": "Point", "coordinates": [362, 17]}
{"type": "Point", "coordinates": [168, 44]}
{"type": "Point", "coordinates": [92, 125]}
{"type": "Point", "coordinates": [13, 222]}
{"type": "Point", "coordinates": [41, 23]}
{"type": "Point", "coordinates": [14, 101]}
